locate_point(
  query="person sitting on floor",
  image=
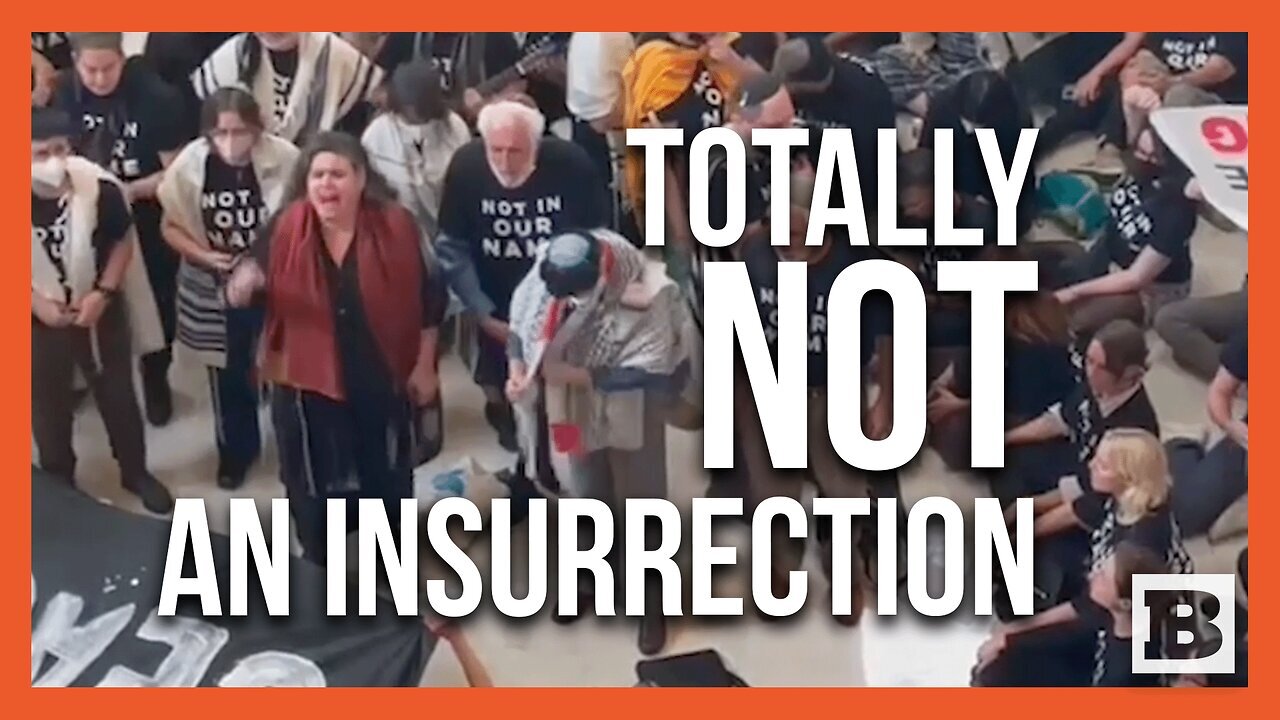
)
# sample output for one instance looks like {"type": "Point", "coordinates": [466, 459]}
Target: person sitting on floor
{"type": "Point", "coordinates": [1112, 396]}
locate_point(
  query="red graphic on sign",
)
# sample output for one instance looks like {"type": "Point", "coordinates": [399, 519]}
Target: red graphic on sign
{"type": "Point", "coordinates": [1225, 135]}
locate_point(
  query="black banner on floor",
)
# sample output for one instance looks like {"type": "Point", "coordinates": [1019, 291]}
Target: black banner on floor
{"type": "Point", "coordinates": [96, 573]}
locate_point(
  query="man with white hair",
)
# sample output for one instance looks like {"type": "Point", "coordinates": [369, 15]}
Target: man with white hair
{"type": "Point", "coordinates": [505, 195]}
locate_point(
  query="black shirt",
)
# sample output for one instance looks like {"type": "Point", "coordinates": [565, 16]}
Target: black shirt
{"type": "Point", "coordinates": [284, 67]}
{"type": "Point", "coordinates": [54, 46]}
{"type": "Point", "coordinates": [231, 205]}
{"type": "Point", "coordinates": [1151, 213]}
{"type": "Point", "coordinates": [506, 226]}
{"type": "Point", "coordinates": [1036, 375]}
{"type": "Point", "coordinates": [1185, 52]}
{"type": "Point", "coordinates": [762, 262]}
{"type": "Point", "coordinates": [757, 184]}
{"type": "Point", "coordinates": [126, 131]}
{"type": "Point", "coordinates": [699, 107]}
{"type": "Point", "coordinates": [1235, 355]}
{"type": "Point", "coordinates": [859, 100]}
{"type": "Point", "coordinates": [1115, 665]}
{"type": "Point", "coordinates": [51, 227]}
{"type": "Point", "coordinates": [444, 49]}
{"type": "Point", "coordinates": [923, 261]}
{"type": "Point", "coordinates": [1083, 416]}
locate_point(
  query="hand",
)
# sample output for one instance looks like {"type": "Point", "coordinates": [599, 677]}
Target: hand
{"type": "Point", "coordinates": [879, 421]}
{"type": "Point", "coordinates": [1087, 88]}
{"type": "Point", "coordinates": [720, 49]}
{"type": "Point", "coordinates": [517, 385]}
{"type": "Point", "coordinates": [1238, 430]}
{"type": "Point", "coordinates": [943, 404]}
{"type": "Point", "coordinates": [991, 649]}
{"type": "Point", "coordinates": [245, 280]}
{"type": "Point", "coordinates": [1142, 97]}
{"type": "Point", "coordinates": [1066, 296]}
{"type": "Point", "coordinates": [51, 312]}
{"type": "Point", "coordinates": [90, 308]}
{"type": "Point", "coordinates": [442, 628]}
{"type": "Point", "coordinates": [217, 261]}
{"type": "Point", "coordinates": [1011, 515]}
{"type": "Point", "coordinates": [472, 100]}
{"type": "Point", "coordinates": [424, 384]}
{"type": "Point", "coordinates": [495, 329]}
{"type": "Point", "coordinates": [1193, 191]}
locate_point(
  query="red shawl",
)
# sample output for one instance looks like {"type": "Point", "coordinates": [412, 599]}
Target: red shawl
{"type": "Point", "coordinates": [299, 346]}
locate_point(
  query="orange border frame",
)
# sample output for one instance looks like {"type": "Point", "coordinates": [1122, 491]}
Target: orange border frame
{"type": "Point", "coordinates": [15, 517]}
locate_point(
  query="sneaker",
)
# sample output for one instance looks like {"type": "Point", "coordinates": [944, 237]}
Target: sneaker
{"type": "Point", "coordinates": [155, 496]}
{"type": "Point", "coordinates": [157, 398]}
{"type": "Point", "coordinates": [501, 420]}
{"type": "Point", "coordinates": [1106, 165]}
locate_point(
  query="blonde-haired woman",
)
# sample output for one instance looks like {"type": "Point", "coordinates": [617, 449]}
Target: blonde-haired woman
{"type": "Point", "coordinates": [1127, 499]}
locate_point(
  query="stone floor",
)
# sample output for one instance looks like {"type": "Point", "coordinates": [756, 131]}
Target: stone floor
{"type": "Point", "coordinates": [808, 651]}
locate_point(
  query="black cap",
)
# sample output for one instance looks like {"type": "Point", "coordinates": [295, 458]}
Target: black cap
{"type": "Point", "coordinates": [50, 123]}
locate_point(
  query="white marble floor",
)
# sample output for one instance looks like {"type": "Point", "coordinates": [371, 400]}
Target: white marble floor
{"type": "Point", "coordinates": [811, 650]}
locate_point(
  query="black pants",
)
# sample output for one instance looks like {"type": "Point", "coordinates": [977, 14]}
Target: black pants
{"type": "Point", "coordinates": [1205, 482]}
{"type": "Point", "coordinates": [55, 355]}
{"type": "Point", "coordinates": [235, 393]}
{"type": "Point", "coordinates": [162, 270]}
{"type": "Point", "coordinates": [1054, 656]}
{"type": "Point", "coordinates": [360, 448]}
{"type": "Point", "coordinates": [1103, 117]}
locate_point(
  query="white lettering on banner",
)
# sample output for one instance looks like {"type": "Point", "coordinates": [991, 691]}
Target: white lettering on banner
{"type": "Point", "coordinates": [194, 644]}
{"type": "Point", "coordinates": [1213, 142]}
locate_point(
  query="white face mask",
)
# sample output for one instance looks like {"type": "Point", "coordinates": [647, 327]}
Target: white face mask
{"type": "Point", "coordinates": [50, 172]}
{"type": "Point", "coordinates": [234, 150]}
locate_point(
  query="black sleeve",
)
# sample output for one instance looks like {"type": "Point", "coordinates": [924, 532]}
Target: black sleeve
{"type": "Point", "coordinates": [167, 117]}
{"type": "Point", "coordinates": [1174, 224]}
{"type": "Point", "coordinates": [435, 296]}
{"type": "Point", "coordinates": [717, 195]}
{"type": "Point", "coordinates": [1090, 508]}
{"type": "Point", "coordinates": [114, 219]}
{"type": "Point", "coordinates": [759, 47]}
{"type": "Point", "coordinates": [1235, 355]}
{"type": "Point", "coordinates": [261, 250]}
{"type": "Point", "coordinates": [595, 212]}
{"type": "Point", "coordinates": [1234, 47]}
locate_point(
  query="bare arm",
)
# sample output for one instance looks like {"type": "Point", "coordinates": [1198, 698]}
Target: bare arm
{"type": "Point", "coordinates": [117, 263]}
{"type": "Point", "coordinates": [1060, 517]}
{"type": "Point", "coordinates": [1046, 427]}
{"type": "Point", "coordinates": [145, 188]}
{"type": "Point", "coordinates": [1062, 613]}
{"type": "Point", "coordinates": [1119, 55]}
{"type": "Point", "coordinates": [1141, 273]}
{"type": "Point", "coordinates": [1215, 72]}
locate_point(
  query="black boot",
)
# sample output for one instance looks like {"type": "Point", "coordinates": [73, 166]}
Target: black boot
{"type": "Point", "coordinates": [157, 397]}
{"type": "Point", "coordinates": [503, 421]}
{"type": "Point", "coordinates": [653, 631]}
{"type": "Point", "coordinates": [155, 496]}
{"type": "Point", "coordinates": [231, 475]}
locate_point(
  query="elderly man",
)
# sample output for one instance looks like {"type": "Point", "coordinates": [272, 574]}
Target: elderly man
{"type": "Point", "coordinates": [504, 196]}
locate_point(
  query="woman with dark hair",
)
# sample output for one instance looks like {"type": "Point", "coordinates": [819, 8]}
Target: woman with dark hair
{"type": "Point", "coordinates": [306, 82]}
{"type": "Point", "coordinates": [349, 338]}
{"type": "Point", "coordinates": [216, 197]}
{"type": "Point", "coordinates": [1038, 372]}
{"type": "Point", "coordinates": [412, 144]}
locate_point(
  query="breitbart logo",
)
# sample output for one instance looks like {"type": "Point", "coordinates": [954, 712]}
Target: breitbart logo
{"type": "Point", "coordinates": [1195, 643]}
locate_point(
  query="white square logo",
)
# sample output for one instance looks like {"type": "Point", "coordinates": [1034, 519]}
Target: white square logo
{"type": "Point", "coordinates": [1181, 614]}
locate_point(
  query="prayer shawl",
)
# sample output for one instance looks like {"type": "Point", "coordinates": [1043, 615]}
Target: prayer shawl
{"type": "Point", "coordinates": [414, 158]}
{"type": "Point", "coordinates": [332, 78]}
{"type": "Point", "coordinates": [657, 74]}
{"type": "Point", "coordinates": [299, 344]}
{"type": "Point", "coordinates": [628, 351]}
{"type": "Point", "coordinates": [202, 326]}
{"type": "Point", "coordinates": [81, 261]}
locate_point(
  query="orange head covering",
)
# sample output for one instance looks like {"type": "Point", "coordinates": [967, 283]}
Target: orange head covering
{"type": "Point", "coordinates": [656, 75]}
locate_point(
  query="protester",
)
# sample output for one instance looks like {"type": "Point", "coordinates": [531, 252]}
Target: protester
{"type": "Point", "coordinates": [50, 54]}
{"type": "Point", "coordinates": [594, 95]}
{"type": "Point", "coordinates": [1148, 238]}
{"type": "Point", "coordinates": [1196, 328]}
{"type": "Point", "coordinates": [91, 308]}
{"type": "Point", "coordinates": [411, 145]}
{"type": "Point", "coordinates": [1043, 660]}
{"type": "Point", "coordinates": [1094, 104]}
{"type": "Point", "coordinates": [349, 340]}
{"type": "Point", "coordinates": [505, 195]}
{"type": "Point", "coordinates": [216, 196]}
{"type": "Point", "coordinates": [838, 92]}
{"type": "Point", "coordinates": [1128, 502]}
{"type": "Point", "coordinates": [1038, 373]}
{"type": "Point", "coordinates": [1063, 440]}
{"type": "Point", "coordinates": [603, 331]}
{"type": "Point", "coordinates": [1217, 63]}
{"type": "Point", "coordinates": [131, 129]}
{"type": "Point", "coordinates": [922, 65]}
{"type": "Point", "coordinates": [306, 82]}
{"type": "Point", "coordinates": [1209, 481]}
{"type": "Point", "coordinates": [832, 475]}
